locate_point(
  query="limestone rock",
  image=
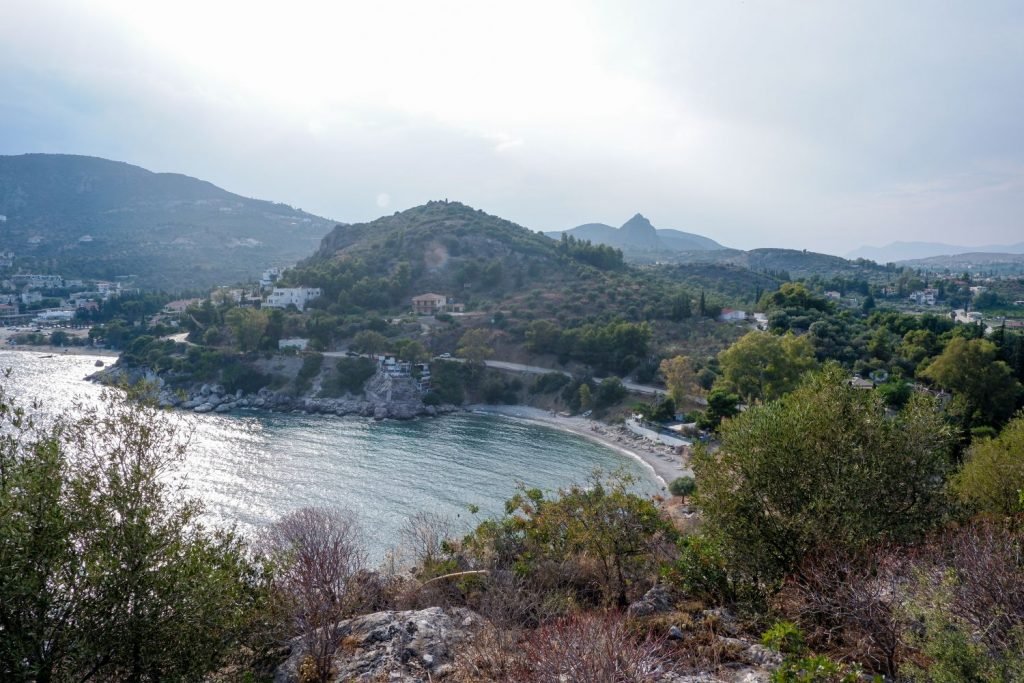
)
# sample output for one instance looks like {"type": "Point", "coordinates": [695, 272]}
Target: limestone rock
{"type": "Point", "coordinates": [414, 646]}
{"type": "Point", "coordinates": [655, 601]}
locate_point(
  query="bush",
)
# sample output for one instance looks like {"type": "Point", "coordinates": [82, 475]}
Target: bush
{"type": "Point", "coordinates": [823, 466]}
{"type": "Point", "coordinates": [350, 374]}
{"type": "Point", "coordinates": [682, 486]}
{"type": "Point", "coordinates": [549, 382]}
{"type": "Point", "coordinates": [311, 365]}
{"type": "Point", "coordinates": [784, 637]}
{"type": "Point", "coordinates": [816, 669]}
{"type": "Point", "coordinates": [992, 477]}
{"type": "Point", "coordinates": [107, 571]}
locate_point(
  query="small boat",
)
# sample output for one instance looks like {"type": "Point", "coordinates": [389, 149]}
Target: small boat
{"type": "Point", "coordinates": [50, 356]}
{"type": "Point", "coordinates": [98, 363]}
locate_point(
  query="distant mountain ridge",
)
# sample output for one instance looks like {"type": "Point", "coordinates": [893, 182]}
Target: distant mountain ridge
{"type": "Point", "coordinates": [908, 251]}
{"type": "Point", "coordinates": [637, 236]}
{"type": "Point", "coordinates": [91, 217]}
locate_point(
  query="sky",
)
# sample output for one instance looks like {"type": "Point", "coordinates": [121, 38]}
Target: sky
{"type": "Point", "coordinates": [821, 125]}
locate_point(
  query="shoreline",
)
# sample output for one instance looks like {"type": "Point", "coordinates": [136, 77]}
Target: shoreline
{"type": "Point", "coordinates": [65, 350]}
{"type": "Point", "coordinates": [663, 466]}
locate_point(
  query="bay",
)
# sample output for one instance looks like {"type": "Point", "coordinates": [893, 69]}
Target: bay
{"type": "Point", "coordinates": [251, 467]}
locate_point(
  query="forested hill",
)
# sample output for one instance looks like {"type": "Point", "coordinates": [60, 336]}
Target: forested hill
{"type": "Point", "coordinates": [448, 248]}
{"type": "Point", "coordinates": [90, 217]}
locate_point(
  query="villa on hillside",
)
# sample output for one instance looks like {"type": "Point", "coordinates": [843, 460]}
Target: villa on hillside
{"type": "Point", "coordinates": [432, 304]}
{"type": "Point", "coordinates": [731, 315]}
{"type": "Point", "coordinates": [282, 297]}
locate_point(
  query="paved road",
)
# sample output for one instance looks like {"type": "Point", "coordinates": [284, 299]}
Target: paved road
{"type": "Point", "coordinates": [538, 370]}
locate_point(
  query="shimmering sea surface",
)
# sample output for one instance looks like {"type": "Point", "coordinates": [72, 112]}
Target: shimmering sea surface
{"type": "Point", "coordinates": [250, 467]}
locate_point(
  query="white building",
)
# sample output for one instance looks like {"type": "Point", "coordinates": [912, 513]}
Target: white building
{"type": "Point", "coordinates": [732, 315]}
{"type": "Point", "coordinates": [44, 281]}
{"type": "Point", "coordinates": [282, 297]}
{"type": "Point", "coordinates": [55, 317]}
{"type": "Point", "coordinates": [269, 277]}
{"type": "Point", "coordinates": [29, 298]}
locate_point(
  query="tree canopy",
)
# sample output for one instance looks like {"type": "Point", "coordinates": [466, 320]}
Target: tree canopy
{"type": "Point", "coordinates": [763, 366]}
{"type": "Point", "coordinates": [970, 367]}
{"type": "Point", "coordinates": [823, 466]}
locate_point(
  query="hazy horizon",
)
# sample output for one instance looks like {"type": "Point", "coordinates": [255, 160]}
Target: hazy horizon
{"type": "Point", "coordinates": [823, 127]}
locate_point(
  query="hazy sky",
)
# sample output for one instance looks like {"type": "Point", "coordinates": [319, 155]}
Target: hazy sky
{"type": "Point", "coordinates": [819, 125]}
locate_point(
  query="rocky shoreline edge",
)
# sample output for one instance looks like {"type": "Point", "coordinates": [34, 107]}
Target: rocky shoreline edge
{"type": "Point", "coordinates": [214, 398]}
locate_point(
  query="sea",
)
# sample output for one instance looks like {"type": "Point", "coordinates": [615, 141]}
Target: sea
{"type": "Point", "coordinates": [249, 468]}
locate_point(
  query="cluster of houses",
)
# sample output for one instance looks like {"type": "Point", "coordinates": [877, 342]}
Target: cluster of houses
{"type": "Point", "coordinates": [25, 292]}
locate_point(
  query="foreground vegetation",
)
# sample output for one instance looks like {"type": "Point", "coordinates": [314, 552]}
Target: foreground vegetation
{"type": "Point", "coordinates": [854, 538]}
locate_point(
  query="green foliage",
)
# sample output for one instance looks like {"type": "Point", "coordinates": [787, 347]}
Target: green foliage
{"type": "Point", "coordinates": [951, 648]}
{"type": "Point", "coordinates": [763, 366]}
{"type": "Point", "coordinates": [448, 381]}
{"type": "Point", "coordinates": [721, 404]}
{"type": "Point", "coordinates": [610, 391]}
{"type": "Point", "coordinates": [682, 486]}
{"type": "Point", "coordinates": [349, 376]}
{"type": "Point", "coordinates": [971, 368]}
{"type": "Point", "coordinates": [793, 295]}
{"type": "Point", "coordinates": [700, 570]}
{"type": "Point", "coordinates": [817, 669]}
{"type": "Point", "coordinates": [236, 375]}
{"type": "Point", "coordinates": [680, 377]}
{"type": "Point", "coordinates": [474, 346]}
{"type": "Point", "coordinates": [992, 477]}
{"type": "Point", "coordinates": [895, 393]}
{"type": "Point", "coordinates": [785, 637]}
{"type": "Point", "coordinates": [584, 397]}
{"type": "Point", "coordinates": [822, 466]}
{"type": "Point", "coordinates": [498, 388]}
{"type": "Point", "coordinates": [248, 326]}
{"type": "Point", "coordinates": [600, 256]}
{"type": "Point", "coordinates": [369, 341]}
{"type": "Point", "coordinates": [549, 382]}
{"type": "Point", "coordinates": [106, 572]}
{"type": "Point", "coordinates": [311, 365]}
{"type": "Point", "coordinates": [601, 532]}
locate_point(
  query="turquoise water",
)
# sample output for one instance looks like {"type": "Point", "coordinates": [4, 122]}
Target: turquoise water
{"type": "Point", "coordinates": [250, 467]}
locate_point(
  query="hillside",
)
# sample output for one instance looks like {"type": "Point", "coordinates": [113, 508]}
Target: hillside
{"type": "Point", "coordinates": [90, 217]}
{"type": "Point", "coordinates": [908, 251]}
{"type": "Point", "coordinates": [638, 239]}
{"type": "Point", "coordinates": [978, 262]}
{"type": "Point", "coordinates": [792, 263]}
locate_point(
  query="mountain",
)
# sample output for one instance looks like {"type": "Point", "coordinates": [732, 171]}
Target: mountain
{"type": "Point", "coordinates": [94, 218]}
{"type": "Point", "coordinates": [906, 251]}
{"type": "Point", "coordinates": [638, 238]}
{"type": "Point", "coordinates": [980, 262]}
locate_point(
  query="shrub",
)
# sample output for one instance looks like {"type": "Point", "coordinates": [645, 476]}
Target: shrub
{"type": "Point", "coordinates": [784, 637]}
{"type": "Point", "coordinates": [549, 383]}
{"type": "Point", "coordinates": [823, 466]}
{"type": "Point", "coordinates": [350, 374]}
{"type": "Point", "coordinates": [992, 477]}
{"type": "Point", "coordinates": [107, 572]}
{"type": "Point", "coordinates": [816, 669]}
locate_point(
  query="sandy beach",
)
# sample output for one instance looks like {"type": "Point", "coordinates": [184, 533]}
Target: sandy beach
{"type": "Point", "coordinates": [7, 333]}
{"type": "Point", "coordinates": [663, 463]}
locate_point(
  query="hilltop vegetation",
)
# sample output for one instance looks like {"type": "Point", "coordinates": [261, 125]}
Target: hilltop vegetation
{"type": "Point", "coordinates": [94, 218]}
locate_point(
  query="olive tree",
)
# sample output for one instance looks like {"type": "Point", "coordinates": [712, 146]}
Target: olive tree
{"type": "Point", "coordinates": [105, 570]}
{"type": "Point", "coordinates": [823, 466]}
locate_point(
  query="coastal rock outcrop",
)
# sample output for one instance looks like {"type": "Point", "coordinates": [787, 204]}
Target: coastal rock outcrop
{"type": "Point", "coordinates": [414, 646]}
{"type": "Point", "coordinates": [385, 397]}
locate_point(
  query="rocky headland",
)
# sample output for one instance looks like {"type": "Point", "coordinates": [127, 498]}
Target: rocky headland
{"type": "Point", "coordinates": [383, 397]}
